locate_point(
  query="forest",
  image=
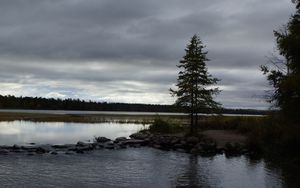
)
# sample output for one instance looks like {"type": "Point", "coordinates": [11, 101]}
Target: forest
{"type": "Point", "coordinates": [38, 103]}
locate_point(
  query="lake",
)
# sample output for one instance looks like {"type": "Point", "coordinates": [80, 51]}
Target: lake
{"type": "Point", "coordinates": [132, 167]}
{"type": "Point", "coordinates": [135, 167]}
{"type": "Point", "coordinates": [24, 132]}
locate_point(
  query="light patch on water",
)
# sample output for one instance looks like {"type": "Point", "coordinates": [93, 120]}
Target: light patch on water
{"type": "Point", "coordinates": [22, 132]}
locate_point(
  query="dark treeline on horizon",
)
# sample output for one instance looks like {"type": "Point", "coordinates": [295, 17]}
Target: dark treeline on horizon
{"type": "Point", "coordinates": [39, 103]}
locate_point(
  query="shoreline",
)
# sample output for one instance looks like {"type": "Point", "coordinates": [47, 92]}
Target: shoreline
{"type": "Point", "coordinates": [203, 145]}
{"type": "Point", "coordinates": [84, 118]}
{"type": "Point", "coordinates": [210, 141]}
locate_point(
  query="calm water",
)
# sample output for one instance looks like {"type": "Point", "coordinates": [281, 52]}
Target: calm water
{"type": "Point", "coordinates": [23, 132]}
{"type": "Point", "coordinates": [133, 167]}
{"type": "Point", "coordinates": [140, 167]}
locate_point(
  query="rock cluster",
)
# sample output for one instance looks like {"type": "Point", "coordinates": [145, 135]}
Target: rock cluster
{"type": "Point", "coordinates": [80, 147]}
{"type": "Point", "coordinates": [189, 144]}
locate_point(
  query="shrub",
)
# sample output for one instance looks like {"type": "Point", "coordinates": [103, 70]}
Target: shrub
{"type": "Point", "coordinates": [165, 126]}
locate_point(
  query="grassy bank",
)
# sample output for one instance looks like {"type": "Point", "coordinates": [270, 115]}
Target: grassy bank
{"type": "Point", "coordinates": [84, 118]}
{"type": "Point", "coordinates": [267, 135]}
{"type": "Point", "coordinates": [242, 124]}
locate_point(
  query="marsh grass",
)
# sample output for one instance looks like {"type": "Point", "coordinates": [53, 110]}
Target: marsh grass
{"type": "Point", "coordinates": [268, 134]}
{"type": "Point", "coordinates": [82, 118]}
{"type": "Point", "coordinates": [242, 124]}
{"type": "Point", "coordinates": [160, 125]}
{"type": "Point", "coordinates": [265, 134]}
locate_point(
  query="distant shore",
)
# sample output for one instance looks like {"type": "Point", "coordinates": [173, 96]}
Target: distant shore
{"type": "Point", "coordinates": [94, 116]}
{"type": "Point", "coordinates": [47, 116]}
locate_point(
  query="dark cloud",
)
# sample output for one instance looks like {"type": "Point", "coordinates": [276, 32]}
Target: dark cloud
{"type": "Point", "coordinates": [127, 50]}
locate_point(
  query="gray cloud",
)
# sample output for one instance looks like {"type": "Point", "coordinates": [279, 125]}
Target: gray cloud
{"type": "Point", "coordinates": [127, 50]}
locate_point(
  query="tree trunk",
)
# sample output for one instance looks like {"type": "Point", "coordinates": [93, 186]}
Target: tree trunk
{"type": "Point", "coordinates": [192, 113]}
{"type": "Point", "coordinates": [192, 123]}
{"type": "Point", "coordinates": [196, 122]}
{"type": "Point", "coordinates": [196, 105]}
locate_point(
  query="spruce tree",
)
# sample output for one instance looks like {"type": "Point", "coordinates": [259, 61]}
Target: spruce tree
{"type": "Point", "coordinates": [285, 77]}
{"type": "Point", "coordinates": [194, 91]}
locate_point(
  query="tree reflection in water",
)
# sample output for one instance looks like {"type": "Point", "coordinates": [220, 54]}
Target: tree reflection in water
{"type": "Point", "coordinates": [192, 175]}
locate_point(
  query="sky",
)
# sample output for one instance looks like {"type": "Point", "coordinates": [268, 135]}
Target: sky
{"type": "Point", "coordinates": [127, 51]}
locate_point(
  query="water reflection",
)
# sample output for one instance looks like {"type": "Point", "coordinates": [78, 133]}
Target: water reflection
{"type": "Point", "coordinates": [190, 177]}
{"type": "Point", "coordinates": [286, 168]}
{"type": "Point", "coordinates": [220, 171]}
{"type": "Point", "coordinates": [134, 167]}
{"type": "Point", "coordinates": [22, 132]}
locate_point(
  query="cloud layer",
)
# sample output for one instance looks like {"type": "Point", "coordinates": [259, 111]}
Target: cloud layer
{"type": "Point", "coordinates": [127, 51]}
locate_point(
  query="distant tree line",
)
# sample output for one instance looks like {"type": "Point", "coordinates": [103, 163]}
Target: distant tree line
{"type": "Point", "coordinates": [39, 103]}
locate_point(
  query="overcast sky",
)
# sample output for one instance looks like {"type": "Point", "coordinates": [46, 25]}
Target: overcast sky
{"type": "Point", "coordinates": [127, 50]}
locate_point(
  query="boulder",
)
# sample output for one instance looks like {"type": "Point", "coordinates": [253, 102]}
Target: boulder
{"type": "Point", "coordinates": [175, 140]}
{"type": "Point", "coordinates": [139, 136]}
{"type": "Point", "coordinates": [86, 147]}
{"type": "Point", "coordinates": [109, 146]}
{"type": "Point", "coordinates": [46, 147]}
{"type": "Point", "coordinates": [157, 146]}
{"type": "Point", "coordinates": [121, 146]}
{"type": "Point", "coordinates": [120, 139]}
{"type": "Point", "coordinates": [6, 147]}
{"type": "Point", "coordinates": [29, 148]}
{"type": "Point", "coordinates": [4, 151]}
{"type": "Point", "coordinates": [209, 147]}
{"type": "Point", "coordinates": [101, 139]}
{"type": "Point", "coordinates": [16, 147]}
{"type": "Point", "coordinates": [192, 140]}
{"type": "Point", "coordinates": [194, 151]}
{"type": "Point", "coordinates": [80, 151]}
{"type": "Point", "coordinates": [69, 153]}
{"type": "Point", "coordinates": [234, 149]}
{"type": "Point", "coordinates": [53, 152]}
{"type": "Point", "coordinates": [133, 142]}
{"type": "Point", "coordinates": [99, 146]}
{"type": "Point", "coordinates": [65, 146]}
{"type": "Point", "coordinates": [199, 147]}
{"type": "Point", "coordinates": [178, 146]}
{"type": "Point", "coordinates": [81, 144]}
{"type": "Point", "coordinates": [181, 150]}
{"type": "Point", "coordinates": [40, 150]}
{"type": "Point", "coordinates": [220, 149]}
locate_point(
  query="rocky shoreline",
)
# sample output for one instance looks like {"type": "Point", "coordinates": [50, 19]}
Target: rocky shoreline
{"type": "Point", "coordinates": [198, 145]}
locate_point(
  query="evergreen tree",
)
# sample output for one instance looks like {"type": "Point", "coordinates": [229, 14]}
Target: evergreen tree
{"type": "Point", "coordinates": [286, 79]}
{"type": "Point", "coordinates": [194, 83]}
